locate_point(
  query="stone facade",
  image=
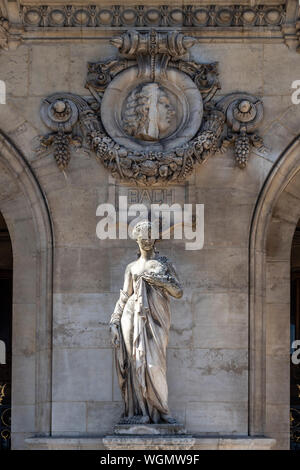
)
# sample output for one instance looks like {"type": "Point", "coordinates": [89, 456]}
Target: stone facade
{"type": "Point", "coordinates": [228, 353]}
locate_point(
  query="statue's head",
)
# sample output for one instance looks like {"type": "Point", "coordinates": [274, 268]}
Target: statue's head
{"type": "Point", "coordinates": [143, 233]}
{"type": "Point", "coordinates": [148, 113]}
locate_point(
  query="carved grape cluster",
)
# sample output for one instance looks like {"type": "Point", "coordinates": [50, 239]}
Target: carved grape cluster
{"type": "Point", "coordinates": [61, 149]}
{"type": "Point", "coordinates": [102, 148]}
{"type": "Point", "coordinates": [242, 149]}
{"type": "Point", "coordinates": [188, 167]}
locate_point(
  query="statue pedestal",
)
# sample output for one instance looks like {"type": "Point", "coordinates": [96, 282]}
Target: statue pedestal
{"type": "Point", "coordinates": [149, 429]}
{"type": "Point", "coordinates": [149, 436]}
{"type": "Point", "coordinates": [145, 442]}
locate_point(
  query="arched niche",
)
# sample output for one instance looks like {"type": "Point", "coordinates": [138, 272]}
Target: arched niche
{"type": "Point", "coordinates": [274, 222]}
{"type": "Point", "coordinates": [25, 210]}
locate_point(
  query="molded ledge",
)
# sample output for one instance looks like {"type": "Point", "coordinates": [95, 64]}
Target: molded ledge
{"type": "Point", "coordinates": [186, 442]}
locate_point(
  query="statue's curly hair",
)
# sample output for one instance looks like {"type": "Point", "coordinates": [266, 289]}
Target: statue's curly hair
{"type": "Point", "coordinates": [142, 228]}
{"type": "Point", "coordinates": [136, 112]}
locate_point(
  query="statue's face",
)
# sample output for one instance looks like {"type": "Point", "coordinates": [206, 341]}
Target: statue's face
{"type": "Point", "coordinates": [165, 112]}
{"type": "Point", "coordinates": [146, 244]}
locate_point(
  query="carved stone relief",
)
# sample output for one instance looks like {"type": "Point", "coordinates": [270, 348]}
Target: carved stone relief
{"type": "Point", "coordinates": [152, 115]}
{"type": "Point", "coordinates": [156, 116]}
{"type": "Point", "coordinates": [4, 32]}
{"type": "Point", "coordinates": [148, 113]}
{"type": "Point", "coordinates": [272, 20]}
{"type": "Point", "coordinates": [8, 39]}
{"type": "Point", "coordinates": [152, 16]}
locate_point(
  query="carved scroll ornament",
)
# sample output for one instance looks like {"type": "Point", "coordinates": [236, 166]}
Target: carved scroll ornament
{"type": "Point", "coordinates": [4, 32]}
{"type": "Point", "coordinates": [152, 115]}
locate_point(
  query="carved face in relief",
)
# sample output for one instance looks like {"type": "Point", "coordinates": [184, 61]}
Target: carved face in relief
{"type": "Point", "coordinates": [148, 113]}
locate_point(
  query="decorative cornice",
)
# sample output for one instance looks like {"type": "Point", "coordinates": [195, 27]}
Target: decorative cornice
{"type": "Point", "coordinates": [8, 39]}
{"type": "Point", "coordinates": [274, 21]}
{"type": "Point", "coordinates": [116, 16]}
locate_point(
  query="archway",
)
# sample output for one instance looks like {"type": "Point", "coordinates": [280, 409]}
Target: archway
{"type": "Point", "coordinates": [27, 216]}
{"type": "Point", "coordinates": [274, 222]}
{"type": "Point", "coordinates": [295, 341]}
{"type": "Point", "coordinates": [6, 265]}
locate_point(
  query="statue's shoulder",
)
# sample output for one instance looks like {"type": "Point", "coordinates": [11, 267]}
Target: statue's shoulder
{"type": "Point", "coordinates": [129, 266]}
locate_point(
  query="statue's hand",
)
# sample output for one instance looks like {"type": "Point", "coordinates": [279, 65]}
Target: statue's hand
{"type": "Point", "coordinates": [155, 280]}
{"type": "Point", "coordinates": [115, 336]}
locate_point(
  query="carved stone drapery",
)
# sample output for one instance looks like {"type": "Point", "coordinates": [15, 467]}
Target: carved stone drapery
{"type": "Point", "coordinates": [152, 115]}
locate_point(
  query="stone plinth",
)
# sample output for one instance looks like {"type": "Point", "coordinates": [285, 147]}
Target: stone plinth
{"type": "Point", "coordinates": [162, 442]}
{"type": "Point", "coordinates": [143, 442]}
{"type": "Point", "coordinates": [150, 429]}
{"type": "Point", "coordinates": [185, 442]}
{"type": "Point", "coordinates": [149, 436]}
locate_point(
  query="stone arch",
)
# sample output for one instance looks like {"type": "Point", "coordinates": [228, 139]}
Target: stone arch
{"type": "Point", "coordinates": [25, 210]}
{"type": "Point", "coordinates": [274, 222]}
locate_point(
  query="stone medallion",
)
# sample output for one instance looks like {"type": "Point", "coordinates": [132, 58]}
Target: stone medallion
{"type": "Point", "coordinates": [152, 114]}
{"type": "Point", "coordinates": [145, 115]}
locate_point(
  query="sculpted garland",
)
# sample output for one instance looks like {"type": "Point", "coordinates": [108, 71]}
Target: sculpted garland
{"type": "Point", "coordinates": [152, 114]}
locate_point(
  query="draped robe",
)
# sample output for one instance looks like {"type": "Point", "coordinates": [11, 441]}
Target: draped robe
{"type": "Point", "coordinates": [141, 367]}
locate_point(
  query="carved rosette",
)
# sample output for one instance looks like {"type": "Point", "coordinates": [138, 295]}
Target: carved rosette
{"type": "Point", "coordinates": [152, 115]}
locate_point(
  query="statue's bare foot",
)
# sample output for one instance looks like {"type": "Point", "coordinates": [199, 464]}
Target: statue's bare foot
{"type": "Point", "coordinates": [168, 419]}
{"type": "Point", "coordinates": [140, 419]}
{"type": "Point", "coordinates": [144, 420]}
{"type": "Point", "coordinates": [126, 420]}
{"type": "Point", "coordinates": [135, 420]}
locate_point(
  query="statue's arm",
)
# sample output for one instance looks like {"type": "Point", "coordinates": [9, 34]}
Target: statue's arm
{"type": "Point", "coordinates": [173, 287]}
{"type": "Point", "coordinates": [169, 282]}
{"type": "Point", "coordinates": [125, 293]}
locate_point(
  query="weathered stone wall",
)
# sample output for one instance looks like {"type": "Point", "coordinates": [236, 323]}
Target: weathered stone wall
{"type": "Point", "coordinates": [208, 347]}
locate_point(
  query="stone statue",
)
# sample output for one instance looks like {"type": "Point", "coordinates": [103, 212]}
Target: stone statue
{"type": "Point", "coordinates": [139, 328]}
{"type": "Point", "coordinates": [148, 113]}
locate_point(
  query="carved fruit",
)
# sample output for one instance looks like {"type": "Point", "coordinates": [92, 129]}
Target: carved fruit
{"type": "Point", "coordinates": [101, 149]}
{"type": "Point", "coordinates": [125, 162]}
{"type": "Point", "coordinates": [151, 180]}
{"type": "Point", "coordinates": [242, 150]}
{"type": "Point", "coordinates": [61, 150]}
{"type": "Point", "coordinates": [149, 168]}
{"type": "Point", "coordinates": [127, 172]}
{"type": "Point", "coordinates": [188, 168]}
{"type": "Point", "coordinates": [163, 171]}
